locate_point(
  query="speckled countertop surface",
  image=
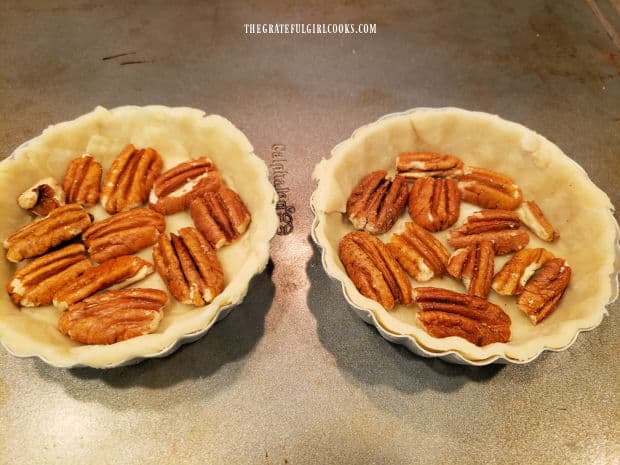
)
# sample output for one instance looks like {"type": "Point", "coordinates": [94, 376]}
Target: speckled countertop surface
{"type": "Point", "coordinates": [293, 375]}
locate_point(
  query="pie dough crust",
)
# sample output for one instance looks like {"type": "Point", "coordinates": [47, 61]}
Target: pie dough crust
{"type": "Point", "coordinates": [578, 209]}
{"type": "Point", "coordinates": [178, 134]}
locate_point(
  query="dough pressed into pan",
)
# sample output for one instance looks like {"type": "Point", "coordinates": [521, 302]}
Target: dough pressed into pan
{"type": "Point", "coordinates": [578, 209]}
{"type": "Point", "coordinates": [178, 134]}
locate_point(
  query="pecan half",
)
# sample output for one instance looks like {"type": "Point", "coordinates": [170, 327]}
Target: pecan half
{"type": "Point", "coordinates": [422, 164]}
{"type": "Point", "coordinates": [36, 238]}
{"type": "Point", "coordinates": [373, 269]}
{"type": "Point", "coordinates": [490, 220]}
{"type": "Point", "coordinates": [435, 204]}
{"type": "Point", "coordinates": [35, 284]}
{"type": "Point", "coordinates": [175, 189]}
{"type": "Point", "coordinates": [43, 197]}
{"type": "Point", "coordinates": [532, 216]}
{"type": "Point", "coordinates": [189, 267]}
{"type": "Point", "coordinates": [513, 276]}
{"type": "Point", "coordinates": [220, 216]}
{"type": "Point", "coordinates": [446, 313]}
{"type": "Point", "coordinates": [419, 252]}
{"type": "Point", "coordinates": [376, 202]}
{"type": "Point", "coordinates": [489, 189]}
{"type": "Point", "coordinates": [115, 274]}
{"type": "Point", "coordinates": [130, 178]}
{"type": "Point", "coordinates": [496, 226]}
{"type": "Point", "coordinates": [542, 293]}
{"type": "Point", "coordinates": [474, 266]}
{"type": "Point", "coordinates": [124, 233]}
{"type": "Point", "coordinates": [114, 316]}
{"type": "Point", "coordinates": [82, 181]}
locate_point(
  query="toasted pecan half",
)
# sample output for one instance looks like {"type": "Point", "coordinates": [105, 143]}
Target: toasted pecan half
{"type": "Point", "coordinates": [377, 202]}
{"type": "Point", "coordinates": [373, 269]}
{"type": "Point", "coordinates": [124, 233]}
{"type": "Point", "coordinates": [542, 293]}
{"type": "Point", "coordinates": [130, 179]}
{"type": "Point", "coordinates": [497, 226]}
{"type": "Point", "coordinates": [114, 316]}
{"type": "Point", "coordinates": [421, 254]}
{"type": "Point", "coordinates": [189, 266]}
{"type": "Point", "coordinates": [532, 216]}
{"type": "Point", "coordinates": [435, 204]}
{"type": "Point", "coordinates": [174, 190]}
{"type": "Point", "coordinates": [447, 313]}
{"type": "Point", "coordinates": [422, 164]}
{"type": "Point", "coordinates": [517, 271]}
{"type": "Point", "coordinates": [82, 181]}
{"type": "Point", "coordinates": [220, 216]}
{"type": "Point", "coordinates": [489, 189]}
{"type": "Point", "coordinates": [474, 265]}
{"type": "Point", "coordinates": [36, 238]}
{"type": "Point", "coordinates": [43, 197]}
{"type": "Point", "coordinates": [36, 283]}
{"type": "Point", "coordinates": [115, 273]}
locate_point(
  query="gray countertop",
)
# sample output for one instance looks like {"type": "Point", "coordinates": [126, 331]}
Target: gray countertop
{"type": "Point", "coordinates": [293, 375]}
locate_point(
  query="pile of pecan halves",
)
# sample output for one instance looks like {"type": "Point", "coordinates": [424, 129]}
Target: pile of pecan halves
{"type": "Point", "coordinates": [59, 247]}
{"type": "Point", "coordinates": [439, 183]}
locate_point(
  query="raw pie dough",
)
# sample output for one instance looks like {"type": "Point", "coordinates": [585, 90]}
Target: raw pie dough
{"type": "Point", "coordinates": [578, 209]}
{"type": "Point", "coordinates": [178, 134]}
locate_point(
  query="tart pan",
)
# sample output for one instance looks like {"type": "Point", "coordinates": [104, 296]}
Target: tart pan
{"type": "Point", "coordinates": [178, 134]}
{"type": "Point", "coordinates": [577, 208]}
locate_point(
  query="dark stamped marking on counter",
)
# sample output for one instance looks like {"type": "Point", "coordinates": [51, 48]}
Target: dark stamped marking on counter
{"type": "Point", "coordinates": [278, 174]}
{"type": "Point", "coordinates": [125, 62]}
{"type": "Point", "coordinates": [109, 57]}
